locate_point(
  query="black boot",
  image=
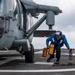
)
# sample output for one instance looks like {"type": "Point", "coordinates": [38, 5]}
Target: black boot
{"type": "Point", "coordinates": [57, 62]}
{"type": "Point", "coordinates": [49, 59]}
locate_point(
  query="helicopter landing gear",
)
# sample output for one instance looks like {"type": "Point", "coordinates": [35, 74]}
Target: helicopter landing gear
{"type": "Point", "coordinates": [29, 55]}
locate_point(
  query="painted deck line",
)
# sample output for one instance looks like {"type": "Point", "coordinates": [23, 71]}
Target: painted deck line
{"type": "Point", "coordinates": [40, 52]}
{"type": "Point", "coordinates": [44, 63]}
{"type": "Point", "coordinates": [9, 59]}
{"type": "Point", "coordinates": [38, 71]}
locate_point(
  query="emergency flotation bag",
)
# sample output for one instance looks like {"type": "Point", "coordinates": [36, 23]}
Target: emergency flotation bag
{"type": "Point", "coordinates": [51, 49]}
{"type": "Point", "coordinates": [44, 53]}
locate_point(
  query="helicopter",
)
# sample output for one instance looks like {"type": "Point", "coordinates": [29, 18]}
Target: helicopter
{"type": "Point", "coordinates": [16, 24]}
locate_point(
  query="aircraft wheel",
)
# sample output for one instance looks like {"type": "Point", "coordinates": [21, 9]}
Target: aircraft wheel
{"type": "Point", "coordinates": [29, 55]}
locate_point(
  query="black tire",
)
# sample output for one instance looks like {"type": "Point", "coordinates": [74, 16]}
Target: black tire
{"type": "Point", "coordinates": [29, 55]}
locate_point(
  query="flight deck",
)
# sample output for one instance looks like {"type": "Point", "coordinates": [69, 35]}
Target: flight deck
{"type": "Point", "coordinates": [13, 64]}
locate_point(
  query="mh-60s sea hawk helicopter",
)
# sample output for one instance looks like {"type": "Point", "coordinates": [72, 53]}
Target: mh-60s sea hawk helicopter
{"type": "Point", "coordinates": [16, 26]}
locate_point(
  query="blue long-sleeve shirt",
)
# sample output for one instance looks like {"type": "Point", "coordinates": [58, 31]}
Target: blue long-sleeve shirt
{"type": "Point", "coordinates": [54, 41]}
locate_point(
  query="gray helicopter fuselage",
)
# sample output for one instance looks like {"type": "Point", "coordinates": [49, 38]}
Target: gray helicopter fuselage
{"type": "Point", "coordinates": [16, 24]}
{"type": "Point", "coordinates": [9, 28]}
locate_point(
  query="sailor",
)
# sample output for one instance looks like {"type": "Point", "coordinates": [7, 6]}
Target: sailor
{"type": "Point", "coordinates": [58, 40]}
